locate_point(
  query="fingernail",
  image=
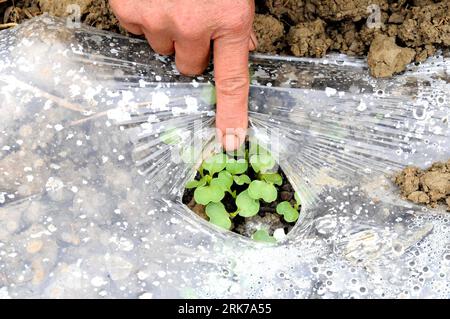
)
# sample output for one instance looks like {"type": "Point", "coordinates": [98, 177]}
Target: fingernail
{"type": "Point", "coordinates": [231, 142]}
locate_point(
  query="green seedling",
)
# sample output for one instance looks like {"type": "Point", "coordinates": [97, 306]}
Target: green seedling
{"type": "Point", "coordinates": [224, 181]}
{"type": "Point", "coordinates": [223, 174]}
{"type": "Point", "coordinates": [197, 183]}
{"type": "Point", "coordinates": [262, 190]}
{"type": "Point", "coordinates": [263, 236]}
{"type": "Point", "coordinates": [215, 163]}
{"type": "Point", "coordinates": [289, 213]}
{"type": "Point", "coordinates": [207, 194]}
{"type": "Point", "coordinates": [273, 178]}
{"type": "Point", "coordinates": [242, 179]}
{"type": "Point", "coordinates": [218, 215]}
{"type": "Point", "coordinates": [262, 163]}
{"type": "Point", "coordinates": [236, 167]}
{"type": "Point", "coordinates": [247, 206]}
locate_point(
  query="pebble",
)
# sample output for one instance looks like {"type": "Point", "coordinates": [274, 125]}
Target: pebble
{"type": "Point", "coordinates": [98, 281]}
{"type": "Point", "coordinates": [118, 267]}
{"type": "Point", "coordinates": [286, 196]}
{"type": "Point", "coordinates": [34, 246]}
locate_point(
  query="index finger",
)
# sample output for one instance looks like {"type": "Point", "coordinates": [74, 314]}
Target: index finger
{"type": "Point", "coordinates": [232, 88]}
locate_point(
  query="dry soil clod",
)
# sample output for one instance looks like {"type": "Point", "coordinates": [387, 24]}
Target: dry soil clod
{"type": "Point", "coordinates": [430, 186]}
{"type": "Point", "coordinates": [386, 58]}
{"type": "Point", "coordinates": [305, 27]}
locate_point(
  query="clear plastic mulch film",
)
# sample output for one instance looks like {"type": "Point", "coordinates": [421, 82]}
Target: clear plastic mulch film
{"type": "Point", "coordinates": [92, 125]}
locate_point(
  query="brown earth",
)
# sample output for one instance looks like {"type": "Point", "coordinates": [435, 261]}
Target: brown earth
{"type": "Point", "coordinates": [381, 29]}
{"type": "Point", "coordinates": [430, 186]}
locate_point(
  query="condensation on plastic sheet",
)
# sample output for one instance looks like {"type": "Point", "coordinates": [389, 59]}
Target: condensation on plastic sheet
{"type": "Point", "coordinates": [90, 198]}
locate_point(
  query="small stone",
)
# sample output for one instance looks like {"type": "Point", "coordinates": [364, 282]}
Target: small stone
{"type": "Point", "coordinates": [286, 196]}
{"type": "Point", "coordinates": [34, 246]}
{"type": "Point", "coordinates": [200, 211]}
{"type": "Point", "coordinates": [118, 267]}
{"type": "Point", "coordinates": [39, 272]}
{"type": "Point", "coordinates": [279, 234]}
{"type": "Point", "coordinates": [98, 281]}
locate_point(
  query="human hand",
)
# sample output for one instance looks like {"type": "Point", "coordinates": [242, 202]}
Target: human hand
{"type": "Point", "coordinates": [186, 28]}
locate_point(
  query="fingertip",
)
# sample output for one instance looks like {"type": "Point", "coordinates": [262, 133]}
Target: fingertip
{"type": "Point", "coordinates": [231, 142]}
{"type": "Point", "coordinates": [233, 139]}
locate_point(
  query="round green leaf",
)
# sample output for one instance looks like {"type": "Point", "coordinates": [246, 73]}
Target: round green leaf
{"type": "Point", "coordinates": [260, 189]}
{"type": "Point", "coordinates": [196, 183]}
{"type": "Point", "coordinates": [242, 179]}
{"type": "Point", "coordinates": [236, 167]}
{"type": "Point", "coordinates": [223, 180]}
{"type": "Point", "coordinates": [218, 215]}
{"type": "Point", "coordinates": [289, 213]}
{"type": "Point", "coordinates": [215, 163]}
{"type": "Point", "coordinates": [273, 178]}
{"type": "Point", "coordinates": [262, 162]}
{"type": "Point", "coordinates": [247, 206]}
{"type": "Point", "coordinates": [263, 236]}
{"type": "Point", "coordinates": [206, 194]}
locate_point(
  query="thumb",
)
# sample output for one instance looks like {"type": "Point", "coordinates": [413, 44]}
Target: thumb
{"type": "Point", "coordinates": [232, 88]}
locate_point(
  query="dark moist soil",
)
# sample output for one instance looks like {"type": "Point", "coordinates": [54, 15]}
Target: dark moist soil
{"type": "Point", "coordinates": [267, 217]}
{"type": "Point", "coordinates": [409, 30]}
{"type": "Point", "coordinates": [429, 187]}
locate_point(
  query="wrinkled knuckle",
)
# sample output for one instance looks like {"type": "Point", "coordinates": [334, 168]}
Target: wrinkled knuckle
{"type": "Point", "coordinates": [232, 86]}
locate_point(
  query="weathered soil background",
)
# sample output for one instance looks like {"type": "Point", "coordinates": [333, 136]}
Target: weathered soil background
{"type": "Point", "coordinates": [391, 33]}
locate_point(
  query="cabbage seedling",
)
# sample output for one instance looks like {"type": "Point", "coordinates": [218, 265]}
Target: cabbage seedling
{"type": "Point", "coordinates": [250, 181]}
{"type": "Point", "coordinates": [289, 213]}
{"type": "Point", "coordinates": [236, 167]}
{"type": "Point", "coordinates": [262, 190]}
{"type": "Point", "coordinates": [207, 194]}
{"type": "Point", "coordinates": [242, 179]}
{"type": "Point", "coordinates": [218, 215]}
{"type": "Point", "coordinates": [247, 206]}
{"type": "Point", "coordinates": [263, 236]}
{"type": "Point", "coordinates": [262, 162]}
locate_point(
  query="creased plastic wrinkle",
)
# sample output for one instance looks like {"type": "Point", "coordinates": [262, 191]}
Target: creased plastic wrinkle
{"type": "Point", "coordinates": [90, 187]}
